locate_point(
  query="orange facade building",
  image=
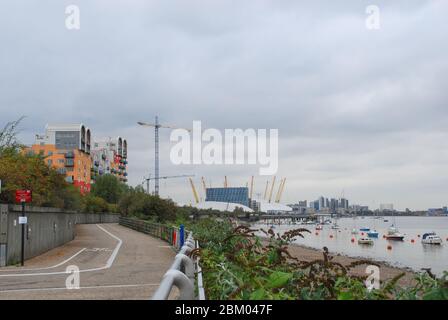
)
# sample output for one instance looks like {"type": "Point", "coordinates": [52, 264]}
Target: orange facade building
{"type": "Point", "coordinates": [67, 148]}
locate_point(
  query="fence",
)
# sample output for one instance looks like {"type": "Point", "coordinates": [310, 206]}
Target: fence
{"type": "Point", "coordinates": [166, 233]}
{"type": "Point", "coordinates": [182, 272]}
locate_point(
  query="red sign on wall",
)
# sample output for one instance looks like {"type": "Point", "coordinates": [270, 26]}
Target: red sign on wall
{"type": "Point", "coordinates": [23, 196]}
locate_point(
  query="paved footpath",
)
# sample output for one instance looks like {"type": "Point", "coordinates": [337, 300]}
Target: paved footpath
{"type": "Point", "coordinates": [115, 262]}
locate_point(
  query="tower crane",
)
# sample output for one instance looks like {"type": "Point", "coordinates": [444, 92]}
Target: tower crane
{"type": "Point", "coordinates": [165, 177]}
{"type": "Point", "coordinates": [156, 127]}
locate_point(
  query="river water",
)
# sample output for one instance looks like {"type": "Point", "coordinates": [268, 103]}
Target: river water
{"type": "Point", "coordinates": [414, 255]}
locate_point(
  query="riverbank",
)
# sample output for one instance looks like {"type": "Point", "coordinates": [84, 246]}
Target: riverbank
{"type": "Point", "coordinates": [387, 271]}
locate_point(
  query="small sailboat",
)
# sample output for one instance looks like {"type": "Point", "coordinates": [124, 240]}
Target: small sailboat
{"type": "Point", "coordinates": [393, 234]}
{"type": "Point", "coordinates": [431, 238]}
{"type": "Point", "coordinates": [373, 233]}
{"type": "Point", "coordinates": [365, 241]}
{"type": "Point", "coordinates": [335, 226]}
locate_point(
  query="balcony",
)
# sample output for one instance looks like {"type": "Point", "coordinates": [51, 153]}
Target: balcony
{"type": "Point", "coordinates": [69, 155]}
{"type": "Point", "coordinates": [69, 163]}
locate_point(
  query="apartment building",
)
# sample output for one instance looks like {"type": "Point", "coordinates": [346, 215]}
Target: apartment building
{"type": "Point", "coordinates": [109, 156]}
{"type": "Point", "coordinates": [69, 148]}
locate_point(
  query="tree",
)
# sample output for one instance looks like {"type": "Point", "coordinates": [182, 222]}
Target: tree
{"type": "Point", "coordinates": [93, 204]}
{"type": "Point", "coordinates": [137, 203]}
{"type": "Point", "coordinates": [8, 136]}
{"type": "Point", "coordinates": [108, 188]}
{"type": "Point", "coordinates": [23, 171]}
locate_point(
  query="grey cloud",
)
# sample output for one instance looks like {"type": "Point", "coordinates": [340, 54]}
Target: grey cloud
{"type": "Point", "coordinates": [353, 107]}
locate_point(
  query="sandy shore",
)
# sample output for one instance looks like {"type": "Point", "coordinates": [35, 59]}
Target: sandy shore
{"type": "Point", "coordinates": [386, 271]}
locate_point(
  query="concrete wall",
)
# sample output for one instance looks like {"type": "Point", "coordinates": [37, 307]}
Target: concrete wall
{"type": "Point", "coordinates": [47, 228]}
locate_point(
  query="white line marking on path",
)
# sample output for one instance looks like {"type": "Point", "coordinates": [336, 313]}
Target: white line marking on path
{"type": "Point", "coordinates": [91, 287]}
{"type": "Point", "coordinates": [109, 263]}
{"type": "Point", "coordinates": [46, 268]}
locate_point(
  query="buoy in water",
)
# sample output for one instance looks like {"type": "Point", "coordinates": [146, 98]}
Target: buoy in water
{"type": "Point", "coordinates": [412, 240]}
{"type": "Point", "coordinates": [389, 247]}
{"type": "Point", "coordinates": [331, 236]}
{"type": "Point", "coordinates": [384, 236]}
{"type": "Point", "coordinates": [418, 235]}
{"type": "Point", "coordinates": [362, 233]}
{"type": "Point", "coordinates": [317, 233]}
{"type": "Point", "coordinates": [353, 239]}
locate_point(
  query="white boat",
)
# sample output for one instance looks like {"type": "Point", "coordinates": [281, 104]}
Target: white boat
{"type": "Point", "coordinates": [366, 241]}
{"type": "Point", "coordinates": [393, 234]}
{"type": "Point", "coordinates": [319, 227]}
{"type": "Point", "coordinates": [335, 226]}
{"type": "Point", "coordinates": [431, 238]}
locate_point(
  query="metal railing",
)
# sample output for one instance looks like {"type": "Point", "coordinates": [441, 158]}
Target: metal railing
{"type": "Point", "coordinates": [154, 229]}
{"type": "Point", "coordinates": [183, 271]}
{"type": "Point", "coordinates": [181, 274]}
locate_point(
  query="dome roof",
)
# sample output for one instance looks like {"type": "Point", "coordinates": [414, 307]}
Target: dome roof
{"type": "Point", "coordinates": [221, 206]}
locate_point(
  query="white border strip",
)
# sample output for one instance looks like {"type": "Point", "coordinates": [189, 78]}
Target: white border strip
{"type": "Point", "coordinates": [74, 290]}
{"type": "Point", "coordinates": [46, 268]}
{"type": "Point", "coordinates": [109, 263]}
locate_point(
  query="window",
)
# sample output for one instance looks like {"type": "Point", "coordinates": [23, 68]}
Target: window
{"type": "Point", "coordinates": [49, 162]}
{"type": "Point", "coordinates": [50, 153]}
{"type": "Point", "coordinates": [67, 139]}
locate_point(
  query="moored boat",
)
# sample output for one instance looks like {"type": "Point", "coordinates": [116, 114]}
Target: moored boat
{"type": "Point", "coordinates": [366, 241]}
{"type": "Point", "coordinates": [365, 229]}
{"type": "Point", "coordinates": [372, 234]}
{"type": "Point", "coordinates": [393, 234]}
{"type": "Point", "coordinates": [431, 238]}
{"type": "Point", "coordinates": [335, 226]}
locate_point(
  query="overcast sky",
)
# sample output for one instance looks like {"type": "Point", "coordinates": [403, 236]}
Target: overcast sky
{"type": "Point", "coordinates": [360, 112]}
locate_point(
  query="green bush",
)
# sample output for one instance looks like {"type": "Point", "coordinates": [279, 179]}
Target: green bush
{"type": "Point", "coordinates": [139, 204]}
{"type": "Point", "coordinates": [93, 204]}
